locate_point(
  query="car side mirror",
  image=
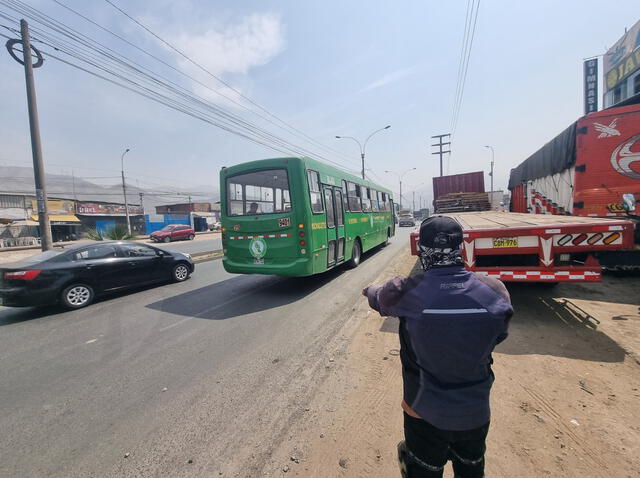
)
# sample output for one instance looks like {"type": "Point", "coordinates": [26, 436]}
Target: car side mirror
{"type": "Point", "coordinates": [160, 253]}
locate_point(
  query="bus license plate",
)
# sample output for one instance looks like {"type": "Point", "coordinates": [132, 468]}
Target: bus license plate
{"type": "Point", "coordinates": [258, 261]}
{"type": "Point", "coordinates": [505, 242]}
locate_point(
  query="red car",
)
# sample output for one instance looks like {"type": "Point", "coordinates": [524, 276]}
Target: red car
{"type": "Point", "coordinates": [173, 232]}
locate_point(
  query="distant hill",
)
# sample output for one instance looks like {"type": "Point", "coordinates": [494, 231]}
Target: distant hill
{"type": "Point", "coordinates": [19, 180]}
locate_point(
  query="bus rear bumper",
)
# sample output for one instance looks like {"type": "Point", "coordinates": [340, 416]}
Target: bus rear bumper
{"type": "Point", "coordinates": [294, 268]}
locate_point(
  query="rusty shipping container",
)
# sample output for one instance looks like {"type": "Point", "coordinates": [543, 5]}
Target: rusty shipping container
{"type": "Point", "coordinates": [458, 183]}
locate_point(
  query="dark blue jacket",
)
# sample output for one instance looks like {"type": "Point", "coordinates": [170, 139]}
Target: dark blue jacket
{"type": "Point", "coordinates": [450, 322]}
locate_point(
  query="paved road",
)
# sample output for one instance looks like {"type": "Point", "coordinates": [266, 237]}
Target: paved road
{"type": "Point", "coordinates": [212, 370]}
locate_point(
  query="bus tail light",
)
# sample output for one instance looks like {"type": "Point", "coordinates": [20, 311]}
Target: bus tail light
{"type": "Point", "coordinates": [300, 226]}
{"type": "Point", "coordinates": [223, 229]}
{"type": "Point", "coordinates": [303, 243]}
{"type": "Point", "coordinates": [301, 233]}
{"type": "Point", "coordinates": [303, 251]}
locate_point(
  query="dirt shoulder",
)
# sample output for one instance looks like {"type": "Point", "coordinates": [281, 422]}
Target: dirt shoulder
{"type": "Point", "coordinates": [564, 402]}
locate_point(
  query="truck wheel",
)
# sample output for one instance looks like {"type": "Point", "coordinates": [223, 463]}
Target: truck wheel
{"type": "Point", "coordinates": [356, 254]}
{"type": "Point", "coordinates": [77, 296]}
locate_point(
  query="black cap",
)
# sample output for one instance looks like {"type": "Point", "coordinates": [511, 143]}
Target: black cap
{"type": "Point", "coordinates": [440, 232]}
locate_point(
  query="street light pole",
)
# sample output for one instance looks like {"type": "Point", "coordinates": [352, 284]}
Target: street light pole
{"type": "Point", "coordinates": [363, 147]}
{"type": "Point", "coordinates": [124, 190]}
{"type": "Point", "coordinates": [491, 173]}
{"type": "Point", "coordinates": [400, 176]}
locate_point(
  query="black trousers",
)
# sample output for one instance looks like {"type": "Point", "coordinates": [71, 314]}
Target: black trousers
{"type": "Point", "coordinates": [429, 448]}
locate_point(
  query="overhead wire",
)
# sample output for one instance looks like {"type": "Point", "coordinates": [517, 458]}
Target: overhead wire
{"type": "Point", "coordinates": [226, 84]}
{"type": "Point", "coordinates": [86, 50]}
{"type": "Point", "coordinates": [470, 29]}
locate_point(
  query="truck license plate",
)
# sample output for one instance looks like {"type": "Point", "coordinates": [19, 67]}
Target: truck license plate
{"type": "Point", "coordinates": [258, 261]}
{"type": "Point", "coordinates": [505, 242]}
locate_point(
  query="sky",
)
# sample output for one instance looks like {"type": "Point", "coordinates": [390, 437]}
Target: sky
{"type": "Point", "coordinates": [326, 68]}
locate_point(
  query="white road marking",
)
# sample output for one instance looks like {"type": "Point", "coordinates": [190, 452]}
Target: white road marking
{"type": "Point", "coordinates": [174, 324]}
{"type": "Point", "coordinates": [91, 341]}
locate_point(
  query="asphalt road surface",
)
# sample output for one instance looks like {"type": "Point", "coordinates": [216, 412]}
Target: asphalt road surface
{"type": "Point", "coordinates": [200, 378]}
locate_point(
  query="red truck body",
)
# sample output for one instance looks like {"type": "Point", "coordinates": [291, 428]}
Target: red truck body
{"type": "Point", "coordinates": [585, 170]}
{"type": "Point", "coordinates": [458, 183]}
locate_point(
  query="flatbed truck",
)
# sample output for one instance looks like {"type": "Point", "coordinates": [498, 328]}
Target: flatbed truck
{"type": "Point", "coordinates": [521, 247]}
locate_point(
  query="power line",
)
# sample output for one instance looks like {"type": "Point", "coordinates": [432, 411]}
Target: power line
{"type": "Point", "coordinates": [190, 60]}
{"type": "Point", "coordinates": [87, 54]}
{"type": "Point", "coordinates": [463, 69]}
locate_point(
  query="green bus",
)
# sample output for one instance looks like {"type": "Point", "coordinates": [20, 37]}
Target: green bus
{"type": "Point", "coordinates": [298, 217]}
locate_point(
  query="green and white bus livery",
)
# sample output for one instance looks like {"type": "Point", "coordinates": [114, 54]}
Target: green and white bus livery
{"type": "Point", "coordinates": [299, 217]}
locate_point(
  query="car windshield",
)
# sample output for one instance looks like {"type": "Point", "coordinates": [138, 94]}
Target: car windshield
{"type": "Point", "coordinates": [258, 192]}
{"type": "Point", "coordinates": [168, 228]}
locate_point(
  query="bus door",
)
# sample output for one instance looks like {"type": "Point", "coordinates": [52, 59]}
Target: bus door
{"type": "Point", "coordinates": [335, 225]}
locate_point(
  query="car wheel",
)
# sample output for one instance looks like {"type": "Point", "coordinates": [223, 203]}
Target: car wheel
{"type": "Point", "coordinates": [181, 272]}
{"type": "Point", "coordinates": [192, 237]}
{"type": "Point", "coordinates": [356, 253]}
{"type": "Point", "coordinates": [166, 239]}
{"type": "Point", "coordinates": [77, 296]}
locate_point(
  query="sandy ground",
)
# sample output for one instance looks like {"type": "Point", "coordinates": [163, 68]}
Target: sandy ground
{"type": "Point", "coordinates": [564, 403]}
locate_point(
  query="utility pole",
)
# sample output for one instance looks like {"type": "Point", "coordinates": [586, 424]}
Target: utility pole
{"type": "Point", "coordinates": [124, 191]}
{"type": "Point", "coordinates": [491, 173]}
{"type": "Point", "coordinates": [34, 126]}
{"type": "Point", "coordinates": [413, 203]}
{"type": "Point", "coordinates": [73, 182]}
{"type": "Point", "coordinates": [440, 144]}
{"type": "Point", "coordinates": [141, 203]}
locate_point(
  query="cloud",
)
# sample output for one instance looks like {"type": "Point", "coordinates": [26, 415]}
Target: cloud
{"type": "Point", "coordinates": [230, 49]}
{"type": "Point", "coordinates": [387, 79]}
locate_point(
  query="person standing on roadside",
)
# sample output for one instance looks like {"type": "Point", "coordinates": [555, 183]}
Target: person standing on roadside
{"type": "Point", "coordinates": [450, 322]}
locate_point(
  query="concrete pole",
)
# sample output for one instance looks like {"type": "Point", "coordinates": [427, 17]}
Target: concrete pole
{"type": "Point", "coordinates": [124, 191]}
{"type": "Point", "coordinates": [36, 147]}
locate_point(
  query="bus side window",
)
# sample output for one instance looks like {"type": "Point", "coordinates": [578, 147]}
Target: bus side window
{"type": "Point", "coordinates": [366, 202]}
{"type": "Point", "coordinates": [385, 202]}
{"type": "Point", "coordinates": [374, 201]}
{"type": "Point", "coordinates": [345, 195]}
{"type": "Point", "coordinates": [314, 191]}
{"type": "Point", "coordinates": [353, 197]}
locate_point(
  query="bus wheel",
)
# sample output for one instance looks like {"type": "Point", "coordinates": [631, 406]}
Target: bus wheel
{"type": "Point", "coordinates": [356, 253]}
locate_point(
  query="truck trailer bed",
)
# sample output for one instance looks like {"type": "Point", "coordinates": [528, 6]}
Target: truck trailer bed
{"type": "Point", "coordinates": [537, 247]}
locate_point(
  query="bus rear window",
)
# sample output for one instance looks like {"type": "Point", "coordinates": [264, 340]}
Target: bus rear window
{"type": "Point", "coordinates": [258, 192]}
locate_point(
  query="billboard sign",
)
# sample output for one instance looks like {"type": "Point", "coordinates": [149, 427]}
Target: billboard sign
{"type": "Point", "coordinates": [623, 58]}
{"type": "Point", "coordinates": [55, 207]}
{"type": "Point", "coordinates": [101, 209]}
{"type": "Point", "coordinates": [590, 86]}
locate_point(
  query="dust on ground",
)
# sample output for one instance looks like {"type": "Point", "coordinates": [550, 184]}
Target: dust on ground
{"type": "Point", "coordinates": [564, 402]}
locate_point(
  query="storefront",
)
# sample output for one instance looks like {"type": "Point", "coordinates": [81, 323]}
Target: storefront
{"type": "Point", "coordinates": [105, 216]}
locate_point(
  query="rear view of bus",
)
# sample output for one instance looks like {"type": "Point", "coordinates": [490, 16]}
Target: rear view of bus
{"type": "Point", "coordinates": [260, 233]}
{"type": "Point", "coordinates": [298, 217]}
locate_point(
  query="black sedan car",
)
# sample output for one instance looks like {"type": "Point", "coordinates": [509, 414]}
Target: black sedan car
{"type": "Point", "coordinates": [73, 277]}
